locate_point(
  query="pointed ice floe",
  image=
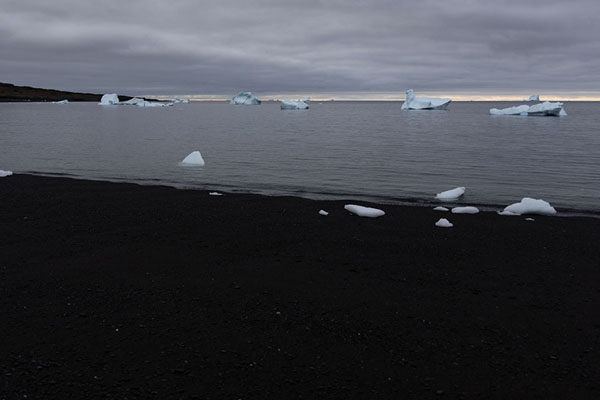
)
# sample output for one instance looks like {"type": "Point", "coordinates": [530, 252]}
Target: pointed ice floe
{"type": "Point", "coordinates": [323, 212]}
{"type": "Point", "coordinates": [5, 173]}
{"type": "Point", "coordinates": [440, 209]}
{"type": "Point", "coordinates": [531, 206]}
{"type": "Point", "coordinates": [293, 105]}
{"type": "Point", "coordinates": [424, 103]}
{"type": "Point", "coordinates": [465, 210]}
{"type": "Point", "coordinates": [245, 98]}
{"type": "Point", "coordinates": [61, 102]}
{"type": "Point", "coordinates": [364, 211]}
{"type": "Point", "coordinates": [546, 108]}
{"type": "Point", "coordinates": [109, 99]}
{"type": "Point", "coordinates": [450, 195]}
{"type": "Point", "coordinates": [194, 158]}
{"type": "Point", "coordinates": [444, 223]}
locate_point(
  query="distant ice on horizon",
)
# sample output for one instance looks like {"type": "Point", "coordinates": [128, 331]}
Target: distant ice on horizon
{"type": "Point", "coordinates": [545, 109]}
{"type": "Point", "coordinates": [424, 103]}
{"type": "Point", "coordinates": [293, 105]}
{"type": "Point", "coordinates": [245, 98]}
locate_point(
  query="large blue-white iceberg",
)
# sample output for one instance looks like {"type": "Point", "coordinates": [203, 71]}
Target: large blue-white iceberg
{"type": "Point", "coordinates": [109, 99]}
{"type": "Point", "coordinates": [546, 108]}
{"type": "Point", "coordinates": [424, 103]}
{"type": "Point", "coordinates": [245, 98]}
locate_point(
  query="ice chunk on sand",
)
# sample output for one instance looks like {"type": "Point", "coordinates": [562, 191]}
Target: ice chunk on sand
{"type": "Point", "coordinates": [293, 105]}
{"type": "Point", "coordinates": [531, 206]}
{"type": "Point", "coordinates": [529, 219]}
{"type": "Point", "coordinates": [535, 97]}
{"type": "Point", "coordinates": [323, 212]}
{"type": "Point", "coordinates": [440, 209]}
{"type": "Point", "coordinates": [194, 158]}
{"type": "Point", "coordinates": [517, 110]}
{"type": "Point", "coordinates": [215, 194]}
{"type": "Point", "coordinates": [424, 103]}
{"type": "Point", "coordinates": [444, 223]}
{"type": "Point", "coordinates": [61, 102]}
{"type": "Point", "coordinates": [452, 194]}
{"type": "Point", "coordinates": [364, 211]}
{"type": "Point", "coordinates": [465, 210]}
{"type": "Point", "coordinates": [245, 98]}
{"type": "Point", "coordinates": [109, 99]}
{"type": "Point", "coordinates": [542, 109]}
{"type": "Point", "coordinates": [5, 173]}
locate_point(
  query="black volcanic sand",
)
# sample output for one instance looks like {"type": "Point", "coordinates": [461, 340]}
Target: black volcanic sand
{"type": "Point", "coordinates": [119, 291]}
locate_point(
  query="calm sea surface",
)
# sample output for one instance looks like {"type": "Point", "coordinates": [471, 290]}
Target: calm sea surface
{"type": "Point", "coordinates": [361, 150]}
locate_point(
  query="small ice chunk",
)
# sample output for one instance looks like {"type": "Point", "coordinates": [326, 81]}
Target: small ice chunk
{"type": "Point", "coordinates": [440, 209]}
{"type": "Point", "coordinates": [529, 219]}
{"type": "Point", "coordinates": [364, 211]}
{"type": "Point", "coordinates": [465, 210]}
{"type": "Point", "coordinates": [444, 223]}
{"type": "Point", "coordinates": [450, 195]}
{"type": "Point", "coordinates": [109, 99]}
{"type": "Point", "coordinates": [562, 113]}
{"type": "Point", "coordinates": [194, 158]}
{"type": "Point", "coordinates": [245, 98]}
{"type": "Point", "coordinates": [5, 173]}
{"type": "Point", "coordinates": [323, 212]}
{"type": "Point", "coordinates": [531, 206]}
{"type": "Point", "coordinates": [215, 194]}
{"type": "Point", "coordinates": [61, 102]}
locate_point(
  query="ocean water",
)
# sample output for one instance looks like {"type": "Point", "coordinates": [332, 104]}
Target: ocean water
{"type": "Point", "coordinates": [351, 150]}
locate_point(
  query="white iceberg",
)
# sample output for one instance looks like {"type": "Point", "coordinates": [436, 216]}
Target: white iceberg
{"type": "Point", "coordinates": [542, 109]}
{"type": "Point", "coordinates": [245, 98]}
{"type": "Point", "coordinates": [61, 102]}
{"type": "Point", "coordinates": [440, 209]}
{"type": "Point", "coordinates": [424, 103]}
{"type": "Point", "coordinates": [5, 173]}
{"type": "Point", "coordinates": [293, 105]}
{"type": "Point", "coordinates": [109, 99]}
{"type": "Point", "coordinates": [364, 211]}
{"type": "Point", "coordinates": [145, 103]}
{"type": "Point", "coordinates": [131, 102]}
{"type": "Point", "coordinates": [194, 158]}
{"type": "Point", "coordinates": [323, 212]}
{"type": "Point", "coordinates": [444, 223]}
{"type": "Point", "coordinates": [465, 210]}
{"type": "Point", "coordinates": [215, 194]}
{"type": "Point", "coordinates": [450, 195]}
{"type": "Point", "coordinates": [531, 206]}
{"type": "Point", "coordinates": [535, 97]}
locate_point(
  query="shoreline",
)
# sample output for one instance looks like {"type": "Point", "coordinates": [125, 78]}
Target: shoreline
{"type": "Point", "coordinates": [116, 290]}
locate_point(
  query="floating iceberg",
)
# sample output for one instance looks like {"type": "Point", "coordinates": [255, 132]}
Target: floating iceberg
{"type": "Point", "coordinates": [542, 109]}
{"type": "Point", "coordinates": [323, 212]}
{"type": "Point", "coordinates": [145, 103]}
{"type": "Point", "coordinates": [424, 103]}
{"type": "Point", "coordinates": [131, 102]}
{"type": "Point", "coordinates": [440, 209]}
{"type": "Point", "coordinates": [5, 173]}
{"type": "Point", "coordinates": [293, 105]}
{"type": "Point", "coordinates": [535, 97]}
{"type": "Point", "coordinates": [450, 195]}
{"type": "Point", "coordinates": [109, 99]}
{"type": "Point", "coordinates": [194, 158]}
{"type": "Point", "coordinates": [61, 102]}
{"type": "Point", "coordinates": [245, 98]}
{"type": "Point", "coordinates": [465, 210]}
{"type": "Point", "coordinates": [186, 101]}
{"type": "Point", "coordinates": [444, 223]}
{"type": "Point", "coordinates": [530, 206]}
{"type": "Point", "coordinates": [364, 211]}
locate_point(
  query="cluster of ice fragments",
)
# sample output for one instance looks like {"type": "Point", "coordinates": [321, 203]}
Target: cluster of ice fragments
{"type": "Point", "coordinates": [542, 109]}
{"type": "Point", "coordinates": [245, 98]}
{"type": "Point", "coordinates": [424, 103]}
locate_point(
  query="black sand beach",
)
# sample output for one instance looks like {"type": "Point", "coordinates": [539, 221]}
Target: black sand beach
{"type": "Point", "coordinates": [119, 291]}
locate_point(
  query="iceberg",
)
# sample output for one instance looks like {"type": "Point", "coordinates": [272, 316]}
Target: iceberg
{"type": "Point", "coordinates": [465, 210]}
{"type": "Point", "coordinates": [542, 109]}
{"type": "Point", "coordinates": [450, 195]}
{"type": "Point", "coordinates": [528, 205]}
{"type": "Point", "coordinates": [293, 105]}
{"type": "Point", "coordinates": [186, 101]}
{"type": "Point", "coordinates": [145, 103]}
{"type": "Point", "coordinates": [424, 103]}
{"type": "Point", "coordinates": [61, 102]}
{"type": "Point", "coordinates": [131, 102]}
{"type": "Point", "coordinates": [364, 211]}
{"type": "Point", "coordinates": [194, 158]}
{"type": "Point", "coordinates": [109, 99]}
{"type": "Point", "coordinates": [444, 223]}
{"type": "Point", "coordinates": [535, 97]}
{"type": "Point", "coordinates": [5, 173]}
{"type": "Point", "coordinates": [245, 98]}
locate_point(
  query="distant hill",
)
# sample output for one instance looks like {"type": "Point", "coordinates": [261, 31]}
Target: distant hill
{"type": "Point", "coordinates": [12, 93]}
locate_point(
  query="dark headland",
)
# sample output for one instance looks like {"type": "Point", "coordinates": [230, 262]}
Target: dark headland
{"type": "Point", "coordinates": [12, 93]}
{"type": "Point", "coordinates": [115, 291]}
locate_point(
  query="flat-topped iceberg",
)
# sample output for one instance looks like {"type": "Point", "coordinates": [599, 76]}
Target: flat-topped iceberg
{"type": "Point", "coordinates": [424, 103]}
{"type": "Point", "coordinates": [245, 98]}
{"type": "Point", "coordinates": [194, 158]}
{"type": "Point", "coordinates": [109, 99]}
{"type": "Point", "coordinates": [61, 102]}
{"type": "Point", "coordinates": [5, 173]}
{"type": "Point", "coordinates": [362, 211]}
{"type": "Point", "coordinates": [450, 195]}
{"type": "Point", "coordinates": [293, 105]}
{"type": "Point", "coordinates": [542, 109]}
{"type": "Point", "coordinates": [444, 223]}
{"type": "Point", "coordinates": [528, 205]}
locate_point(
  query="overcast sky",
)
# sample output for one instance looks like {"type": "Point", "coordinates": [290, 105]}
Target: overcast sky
{"type": "Point", "coordinates": [305, 47]}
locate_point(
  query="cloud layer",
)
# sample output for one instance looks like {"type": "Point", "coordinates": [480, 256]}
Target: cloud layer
{"type": "Point", "coordinates": [221, 47]}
